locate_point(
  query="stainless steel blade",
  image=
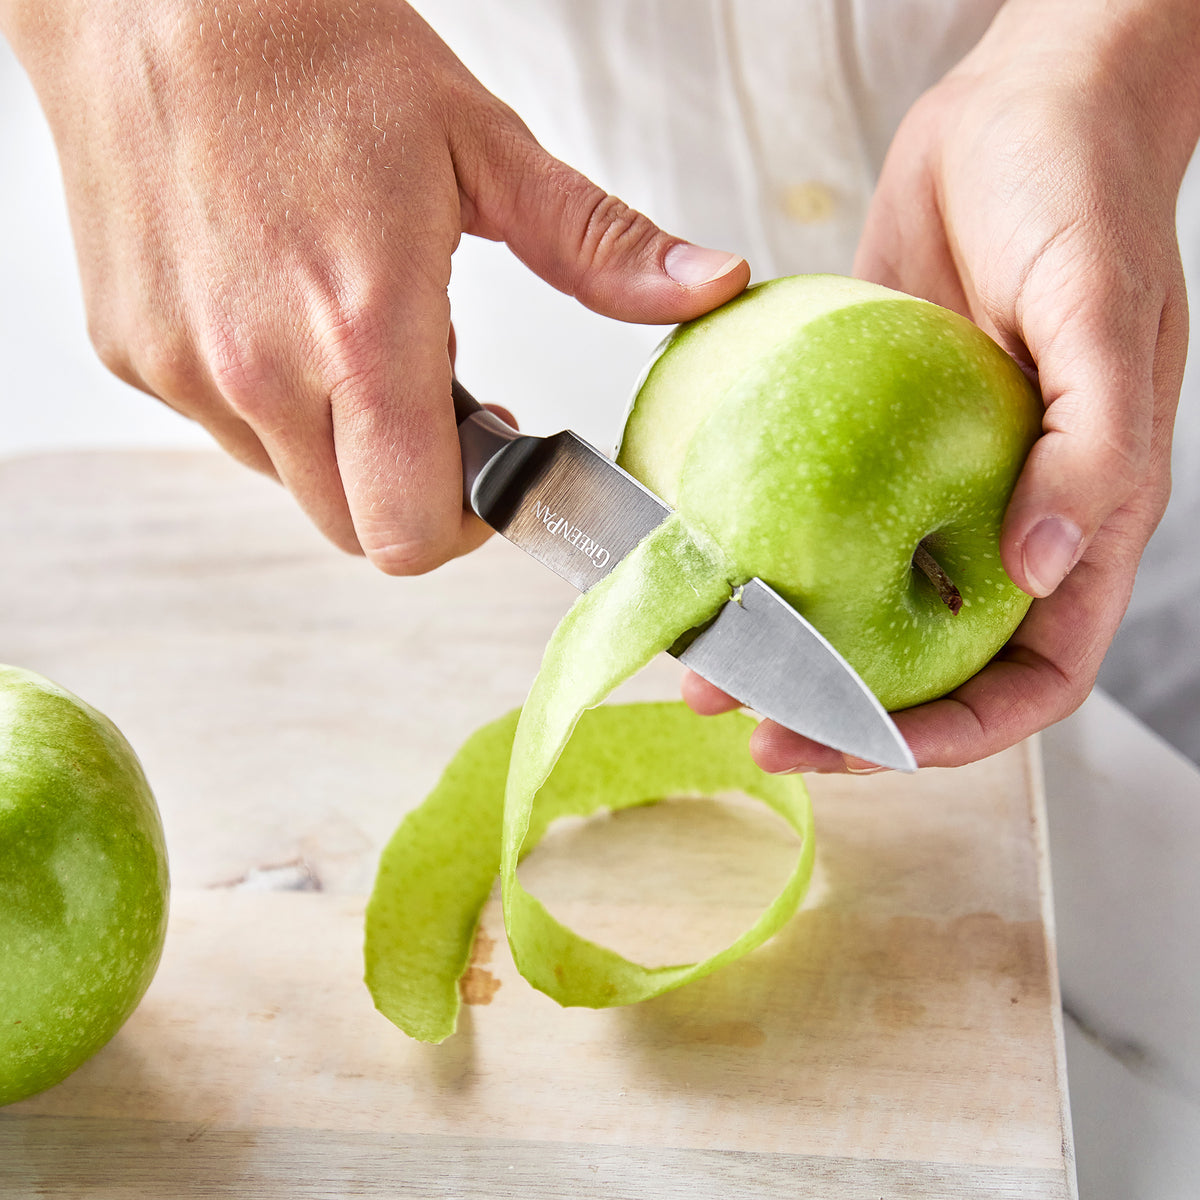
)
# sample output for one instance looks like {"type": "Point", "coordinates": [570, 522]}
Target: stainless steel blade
{"type": "Point", "coordinates": [576, 511]}
{"type": "Point", "coordinates": [565, 503]}
{"type": "Point", "coordinates": [809, 687]}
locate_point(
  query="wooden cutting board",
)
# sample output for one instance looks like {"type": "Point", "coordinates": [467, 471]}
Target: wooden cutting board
{"type": "Point", "coordinates": [901, 1037]}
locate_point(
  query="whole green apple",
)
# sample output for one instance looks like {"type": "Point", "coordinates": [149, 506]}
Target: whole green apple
{"type": "Point", "coordinates": [83, 882]}
{"type": "Point", "coordinates": [856, 448]}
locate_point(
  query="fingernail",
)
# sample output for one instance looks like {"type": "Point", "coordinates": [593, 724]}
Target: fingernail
{"type": "Point", "coordinates": [1051, 550]}
{"type": "Point", "coordinates": [795, 769]}
{"type": "Point", "coordinates": [693, 265]}
{"type": "Point", "coordinates": [860, 766]}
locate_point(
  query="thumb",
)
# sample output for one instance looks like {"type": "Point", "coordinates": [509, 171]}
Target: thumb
{"type": "Point", "coordinates": [594, 247]}
{"type": "Point", "coordinates": [1106, 372]}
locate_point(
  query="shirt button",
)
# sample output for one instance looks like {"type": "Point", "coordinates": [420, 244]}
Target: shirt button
{"type": "Point", "coordinates": [809, 203]}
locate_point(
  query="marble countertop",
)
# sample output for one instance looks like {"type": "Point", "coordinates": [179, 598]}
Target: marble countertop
{"type": "Point", "coordinates": [1124, 823]}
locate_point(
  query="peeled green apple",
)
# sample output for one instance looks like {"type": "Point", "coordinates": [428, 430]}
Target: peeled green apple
{"type": "Point", "coordinates": [83, 883]}
{"type": "Point", "coordinates": [822, 430]}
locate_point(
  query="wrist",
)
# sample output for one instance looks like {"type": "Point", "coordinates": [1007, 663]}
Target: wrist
{"type": "Point", "coordinates": [1137, 62]}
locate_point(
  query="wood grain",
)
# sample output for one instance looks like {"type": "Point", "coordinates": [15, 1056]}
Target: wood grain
{"type": "Point", "coordinates": [901, 1037]}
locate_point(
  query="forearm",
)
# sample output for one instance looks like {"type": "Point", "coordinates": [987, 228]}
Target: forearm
{"type": "Point", "coordinates": [31, 28]}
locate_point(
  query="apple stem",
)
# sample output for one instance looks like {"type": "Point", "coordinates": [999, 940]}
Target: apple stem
{"type": "Point", "coordinates": [950, 596]}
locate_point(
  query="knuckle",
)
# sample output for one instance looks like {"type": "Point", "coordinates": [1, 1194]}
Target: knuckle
{"type": "Point", "coordinates": [1115, 457]}
{"type": "Point", "coordinates": [158, 361]}
{"type": "Point", "coordinates": [1123, 459]}
{"type": "Point", "coordinates": [613, 230]}
{"type": "Point", "coordinates": [350, 361]}
{"type": "Point", "coordinates": [241, 368]}
{"type": "Point", "coordinates": [168, 368]}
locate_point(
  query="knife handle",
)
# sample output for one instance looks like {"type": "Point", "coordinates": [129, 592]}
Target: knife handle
{"type": "Point", "coordinates": [464, 403]}
{"type": "Point", "coordinates": [481, 436]}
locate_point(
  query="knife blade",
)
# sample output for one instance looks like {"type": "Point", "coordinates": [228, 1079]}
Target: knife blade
{"type": "Point", "coordinates": [577, 512]}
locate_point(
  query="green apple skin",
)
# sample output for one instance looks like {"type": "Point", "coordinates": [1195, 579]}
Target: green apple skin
{"type": "Point", "coordinates": [83, 883]}
{"type": "Point", "coordinates": [819, 428]}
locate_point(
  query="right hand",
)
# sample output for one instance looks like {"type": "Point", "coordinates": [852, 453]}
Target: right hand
{"type": "Point", "coordinates": [1034, 190]}
{"type": "Point", "coordinates": [265, 199]}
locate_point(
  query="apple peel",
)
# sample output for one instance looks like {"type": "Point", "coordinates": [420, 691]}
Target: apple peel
{"type": "Point", "coordinates": [563, 756]}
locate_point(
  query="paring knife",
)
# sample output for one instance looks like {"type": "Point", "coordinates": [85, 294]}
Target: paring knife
{"type": "Point", "coordinates": [576, 511]}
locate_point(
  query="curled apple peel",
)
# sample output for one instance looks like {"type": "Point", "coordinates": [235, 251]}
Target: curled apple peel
{"type": "Point", "coordinates": [563, 756]}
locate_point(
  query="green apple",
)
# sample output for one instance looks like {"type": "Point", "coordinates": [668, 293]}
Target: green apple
{"type": "Point", "coordinates": [83, 882]}
{"type": "Point", "coordinates": [835, 437]}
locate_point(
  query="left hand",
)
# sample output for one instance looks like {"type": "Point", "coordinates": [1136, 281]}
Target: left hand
{"type": "Point", "coordinates": [1033, 190]}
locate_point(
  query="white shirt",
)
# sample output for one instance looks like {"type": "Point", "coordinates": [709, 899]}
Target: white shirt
{"type": "Point", "coordinates": [753, 125]}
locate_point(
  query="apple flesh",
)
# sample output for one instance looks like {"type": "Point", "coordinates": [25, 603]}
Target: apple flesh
{"type": "Point", "coordinates": [83, 883]}
{"type": "Point", "coordinates": [827, 432]}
